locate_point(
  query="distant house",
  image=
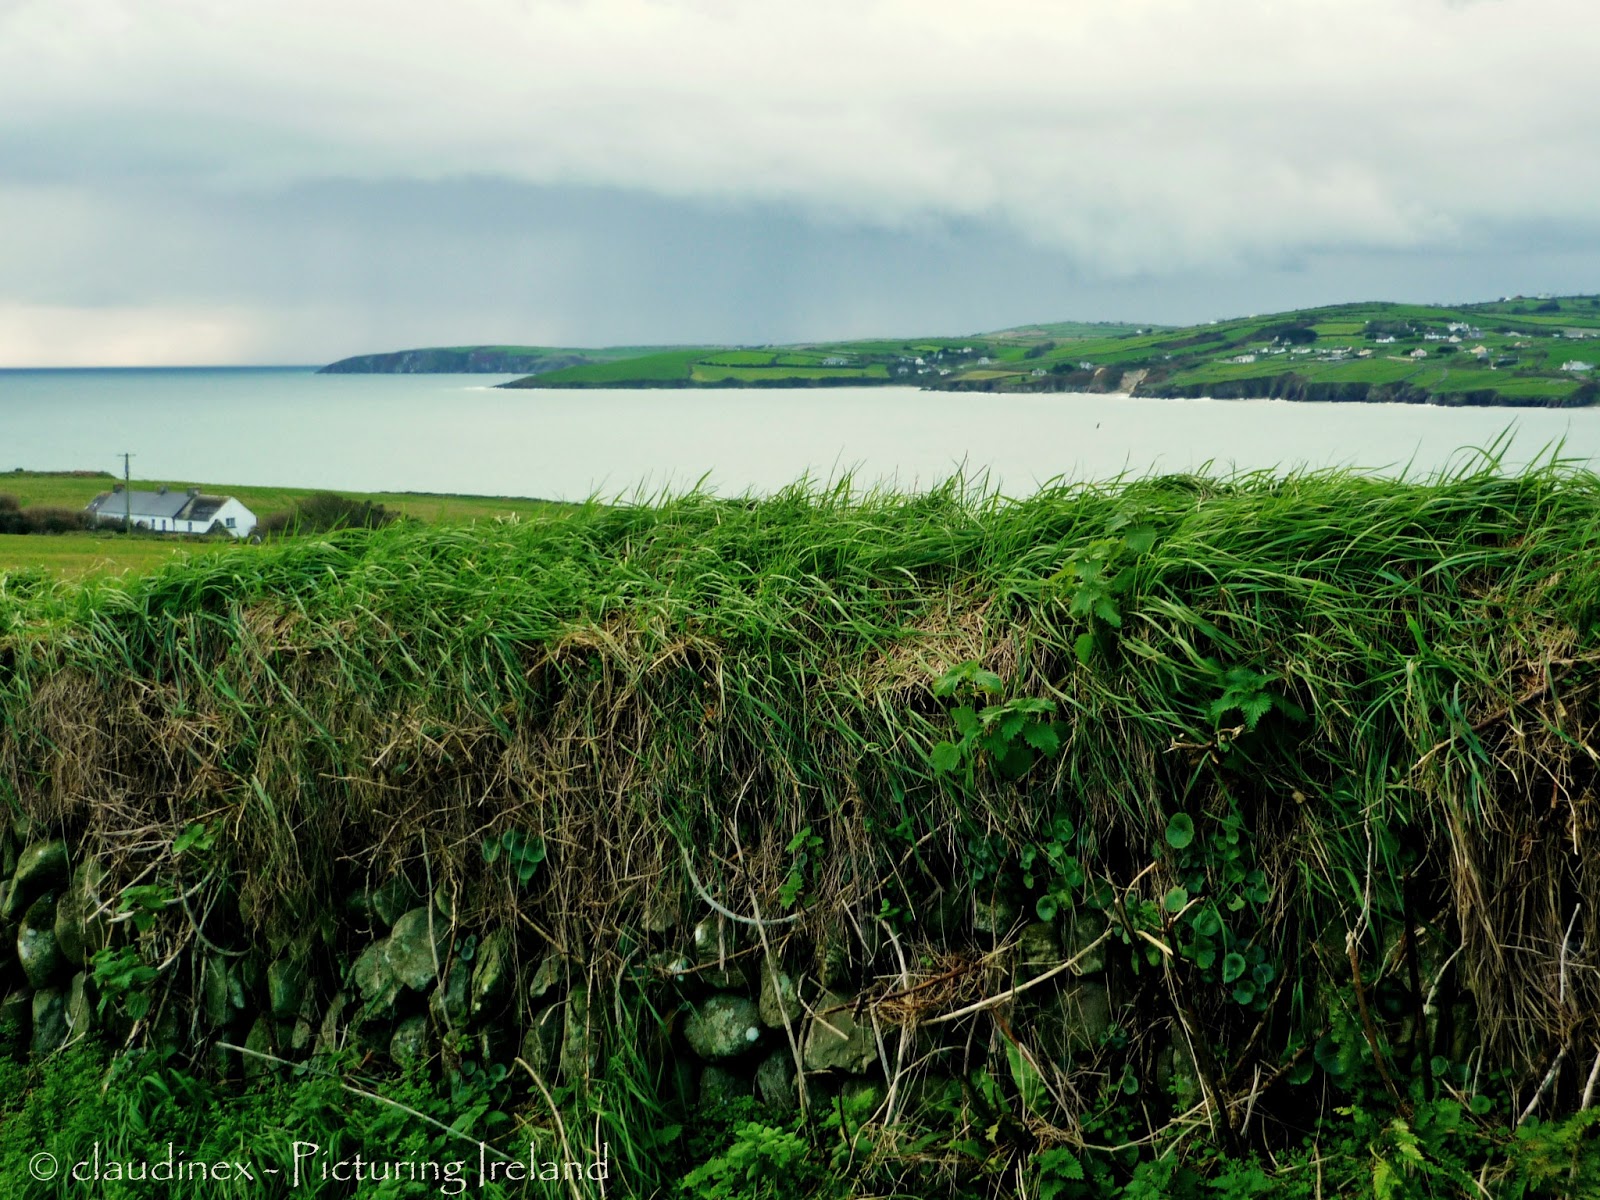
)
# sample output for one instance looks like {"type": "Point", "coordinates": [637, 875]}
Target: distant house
{"type": "Point", "coordinates": [1386, 340]}
{"type": "Point", "coordinates": [1479, 351]}
{"type": "Point", "coordinates": [165, 511]}
{"type": "Point", "coordinates": [834, 360]}
{"type": "Point", "coordinates": [1419, 352]}
{"type": "Point", "coordinates": [1575, 365]}
{"type": "Point", "coordinates": [1243, 359]}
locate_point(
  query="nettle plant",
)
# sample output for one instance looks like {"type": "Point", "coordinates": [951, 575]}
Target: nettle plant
{"type": "Point", "coordinates": [1101, 574]}
{"type": "Point", "coordinates": [1008, 736]}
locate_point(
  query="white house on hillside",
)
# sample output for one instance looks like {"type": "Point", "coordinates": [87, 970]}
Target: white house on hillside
{"type": "Point", "coordinates": [164, 511]}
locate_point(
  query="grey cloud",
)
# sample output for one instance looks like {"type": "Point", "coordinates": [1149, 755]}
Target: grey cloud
{"type": "Point", "coordinates": [598, 169]}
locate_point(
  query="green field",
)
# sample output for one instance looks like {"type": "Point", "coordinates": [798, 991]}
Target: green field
{"type": "Point", "coordinates": [80, 553]}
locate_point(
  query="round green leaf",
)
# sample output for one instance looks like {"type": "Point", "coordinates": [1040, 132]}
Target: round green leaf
{"type": "Point", "coordinates": [1206, 921]}
{"type": "Point", "coordinates": [1180, 831]}
{"type": "Point", "coordinates": [1233, 965]}
{"type": "Point", "coordinates": [1244, 991]}
{"type": "Point", "coordinates": [1176, 898]}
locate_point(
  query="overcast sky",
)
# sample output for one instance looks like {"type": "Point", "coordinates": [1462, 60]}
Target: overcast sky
{"type": "Point", "coordinates": [291, 181]}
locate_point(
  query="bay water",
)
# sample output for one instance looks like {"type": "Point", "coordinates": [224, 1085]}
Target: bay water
{"type": "Point", "coordinates": [460, 434]}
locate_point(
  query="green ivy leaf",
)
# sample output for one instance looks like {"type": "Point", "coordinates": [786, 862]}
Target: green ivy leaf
{"type": "Point", "coordinates": [1180, 831]}
{"type": "Point", "coordinates": [1207, 922]}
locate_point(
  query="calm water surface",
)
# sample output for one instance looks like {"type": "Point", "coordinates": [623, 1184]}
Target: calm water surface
{"type": "Point", "coordinates": [456, 433]}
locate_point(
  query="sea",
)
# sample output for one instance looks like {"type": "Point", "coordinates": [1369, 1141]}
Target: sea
{"type": "Point", "coordinates": [460, 434]}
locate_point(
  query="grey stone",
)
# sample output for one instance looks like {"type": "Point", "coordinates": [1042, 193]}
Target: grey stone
{"type": "Point", "coordinates": [245, 977]}
{"type": "Point", "coordinates": [286, 987]}
{"type": "Point", "coordinates": [774, 1084]}
{"type": "Point", "coordinates": [304, 1026]}
{"type": "Point", "coordinates": [494, 1043]}
{"type": "Point", "coordinates": [374, 979]}
{"type": "Point", "coordinates": [214, 999]}
{"type": "Point", "coordinates": [13, 902]}
{"type": "Point", "coordinates": [82, 926]}
{"type": "Point", "coordinates": [668, 963]}
{"type": "Point", "coordinates": [492, 975]}
{"type": "Point", "coordinates": [994, 914]}
{"type": "Point", "coordinates": [718, 1086]}
{"type": "Point", "coordinates": [330, 1036]}
{"type": "Point", "coordinates": [1082, 932]}
{"type": "Point", "coordinates": [261, 1040]}
{"type": "Point", "coordinates": [663, 910]}
{"type": "Point", "coordinates": [448, 1003]}
{"type": "Point", "coordinates": [709, 944]}
{"type": "Point", "coordinates": [412, 954]}
{"type": "Point", "coordinates": [41, 865]}
{"type": "Point", "coordinates": [731, 980]}
{"type": "Point", "coordinates": [835, 1042]}
{"type": "Point", "coordinates": [37, 951]}
{"type": "Point", "coordinates": [580, 1042]}
{"type": "Point", "coordinates": [1077, 1020]}
{"type": "Point", "coordinates": [778, 996]}
{"type": "Point", "coordinates": [49, 1021]}
{"type": "Point", "coordinates": [1038, 945]}
{"type": "Point", "coordinates": [552, 972]}
{"type": "Point", "coordinates": [833, 964]}
{"type": "Point", "coordinates": [410, 1043]}
{"type": "Point", "coordinates": [541, 1045]}
{"type": "Point", "coordinates": [390, 899]}
{"type": "Point", "coordinates": [79, 1008]}
{"type": "Point", "coordinates": [1175, 1074]}
{"type": "Point", "coordinates": [723, 1025]}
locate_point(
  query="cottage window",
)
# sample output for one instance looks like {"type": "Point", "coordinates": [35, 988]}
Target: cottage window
{"type": "Point", "coordinates": [229, 522]}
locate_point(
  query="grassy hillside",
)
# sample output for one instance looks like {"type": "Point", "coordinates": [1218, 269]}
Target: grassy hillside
{"type": "Point", "coordinates": [1508, 352]}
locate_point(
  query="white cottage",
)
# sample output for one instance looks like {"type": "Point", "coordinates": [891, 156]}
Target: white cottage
{"type": "Point", "coordinates": [166, 511]}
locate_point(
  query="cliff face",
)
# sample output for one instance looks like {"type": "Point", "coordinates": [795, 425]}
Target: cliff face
{"type": "Point", "coordinates": [466, 360]}
{"type": "Point", "coordinates": [1297, 387]}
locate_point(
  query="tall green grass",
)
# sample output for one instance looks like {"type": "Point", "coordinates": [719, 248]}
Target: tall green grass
{"type": "Point", "coordinates": [1389, 686]}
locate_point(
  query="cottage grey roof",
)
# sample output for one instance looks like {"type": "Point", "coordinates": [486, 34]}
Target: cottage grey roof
{"type": "Point", "coordinates": [142, 504]}
{"type": "Point", "coordinates": [147, 506]}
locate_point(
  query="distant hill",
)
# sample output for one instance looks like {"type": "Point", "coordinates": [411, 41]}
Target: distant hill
{"type": "Point", "coordinates": [476, 360]}
{"type": "Point", "coordinates": [1540, 351]}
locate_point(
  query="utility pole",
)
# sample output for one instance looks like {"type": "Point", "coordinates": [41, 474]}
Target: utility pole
{"type": "Point", "coordinates": [127, 494]}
